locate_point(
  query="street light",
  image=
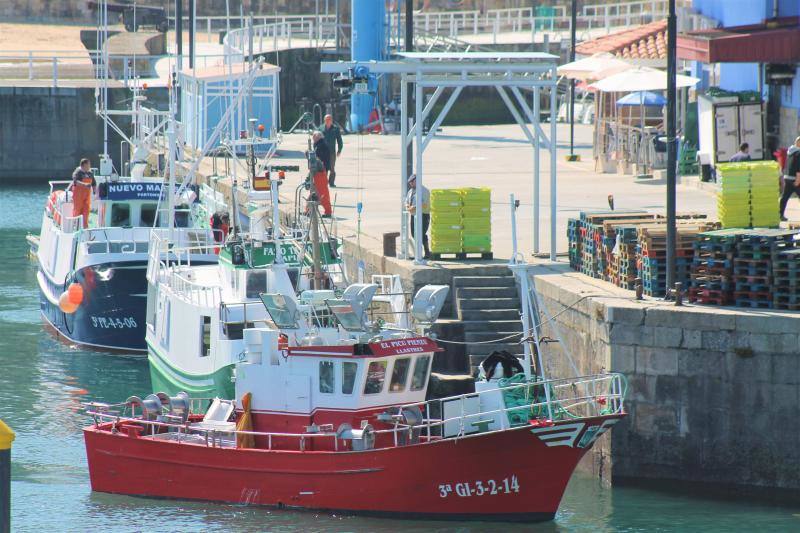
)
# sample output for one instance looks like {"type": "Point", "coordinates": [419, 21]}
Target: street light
{"type": "Point", "coordinates": [573, 27]}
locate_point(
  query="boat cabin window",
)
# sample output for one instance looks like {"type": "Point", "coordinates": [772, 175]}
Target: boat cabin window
{"type": "Point", "coordinates": [255, 283]}
{"type": "Point", "coordinates": [399, 375]}
{"type": "Point", "coordinates": [148, 214]}
{"type": "Point", "coordinates": [205, 341]}
{"type": "Point", "coordinates": [120, 214]}
{"type": "Point", "coordinates": [326, 377]}
{"type": "Point", "coordinates": [348, 377]}
{"type": "Point", "coordinates": [376, 374]}
{"type": "Point", "coordinates": [420, 376]}
{"type": "Point", "coordinates": [234, 331]}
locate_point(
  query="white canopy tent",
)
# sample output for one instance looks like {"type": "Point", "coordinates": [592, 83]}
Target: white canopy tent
{"type": "Point", "coordinates": [595, 67]}
{"type": "Point", "coordinates": [640, 79]}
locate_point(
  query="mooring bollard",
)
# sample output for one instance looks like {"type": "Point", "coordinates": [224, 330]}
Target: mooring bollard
{"type": "Point", "coordinates": [6, 438]}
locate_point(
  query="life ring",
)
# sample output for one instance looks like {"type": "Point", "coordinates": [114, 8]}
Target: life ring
{"type": "Point", "coordinates": [54, 201]}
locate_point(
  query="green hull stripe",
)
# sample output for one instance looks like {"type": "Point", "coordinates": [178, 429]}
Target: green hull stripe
{"type": "Point", "coordinates": [165, 375]}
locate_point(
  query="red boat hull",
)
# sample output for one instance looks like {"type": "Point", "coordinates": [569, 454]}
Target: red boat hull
{"type": "Point", "coordinates": [518, 474]}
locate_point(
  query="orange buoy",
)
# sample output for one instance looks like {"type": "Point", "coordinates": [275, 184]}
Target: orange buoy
{"type": "Point", "coordinates": [65, 305]}
{"type": "Point", "coordinates": [75, 293]}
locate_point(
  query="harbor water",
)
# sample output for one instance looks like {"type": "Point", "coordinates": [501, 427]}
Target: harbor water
{"type": "Point", "coordinates": [43, 382]}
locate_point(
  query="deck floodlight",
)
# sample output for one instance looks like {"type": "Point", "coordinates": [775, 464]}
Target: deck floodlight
{"type": "Point", "coordinates": [360, 296]}
{"type": "Point", "coordinates": [428, 303]}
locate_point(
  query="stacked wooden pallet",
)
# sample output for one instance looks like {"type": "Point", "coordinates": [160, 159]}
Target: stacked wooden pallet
{"type": "Point", "coordinates": [712, 267]}
{"type": "Point", "coordinates": [752, 266]}
{"type": "Point", "coordinates": [652, 255]}
{"type": "Point", "coordinates": [786, 278]}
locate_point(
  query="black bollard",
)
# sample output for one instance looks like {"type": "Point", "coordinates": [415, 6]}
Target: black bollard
{"type": "Point", "coordinates": [6, 438]}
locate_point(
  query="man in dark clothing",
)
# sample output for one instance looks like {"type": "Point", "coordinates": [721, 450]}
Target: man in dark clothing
{"type": "Point", "coordinates": [791, 176]}
{"type": "Point", "coordinates": [333, 138]}
{"type": "Point", "coordinates": [742, 155]}
{"type": "Point", "coordinates": [321, 178]}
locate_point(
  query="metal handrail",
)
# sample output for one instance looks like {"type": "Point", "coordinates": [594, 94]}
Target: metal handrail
{"type": "Point", "coordinates": [613, 397]}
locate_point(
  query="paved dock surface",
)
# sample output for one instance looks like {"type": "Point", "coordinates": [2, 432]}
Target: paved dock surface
{"type": "Point", "coordinates": [474, 156]}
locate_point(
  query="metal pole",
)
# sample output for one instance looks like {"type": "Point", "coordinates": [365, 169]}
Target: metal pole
{"type": "Point", "coordinates": [672, 154]}
{"type": "Point", "coordinates": [407, 107]}
{"type": "Point", "coordinates": [315, 251]}
{"type": "Point", "coordinates": [276, 216]}
{"type": "Point", "coordinates": [404, 164]}
{"type": "Point", "coordinates": [409, 46]}
{"type": "Point", "coordinates": [179, 32]}
{"type": "Point", "coordinates": [513, 203]}
{"type": "Point", "coordinates": [418, 233]}
{"type": "Point", "coordinates": [6, 438]}
{"type": "Point", "coordinates": [192, 13]}
{"type": "Point", "coordinates": [573, 28]}
{"type": "Point", "coordinates": [553, 149]}
{"type": "Point", "coordinates": [536, 171]}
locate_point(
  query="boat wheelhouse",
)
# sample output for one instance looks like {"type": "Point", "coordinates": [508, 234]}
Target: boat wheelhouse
{"type": "Point", "coordinates": [108, 259]}
{"type": "Point", "coordinates": [198, 316]}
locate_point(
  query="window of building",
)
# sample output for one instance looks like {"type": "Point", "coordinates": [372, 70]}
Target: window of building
{"type": "Point", "coordinates": [419, 379]}
{"type": "Point", "coordinates": [326, 377]}
{"type": "Point", "coordinates": [399, 375]}
{"type": "Point", "coordinates": [348, 377]}
{"type": "Point", "coordinates": [376, 374]}
{"type": "Point", "coordinates": [120, 215]}
{"type": "Point", "coordinates": [148, 214]}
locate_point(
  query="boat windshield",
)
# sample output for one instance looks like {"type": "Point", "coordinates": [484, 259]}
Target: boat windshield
{"type": "Point", "coordinates": [282, 310]}
{"type": "Point", "coordinates": [344, 313]}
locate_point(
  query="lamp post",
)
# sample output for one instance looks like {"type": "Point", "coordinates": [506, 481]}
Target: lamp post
{"type": "Point", "coordinates": [672, 147]}
{"type": "Point", "coordinates": [573, 37]}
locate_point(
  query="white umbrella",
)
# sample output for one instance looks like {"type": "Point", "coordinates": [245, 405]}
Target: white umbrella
{"type": "Point", "coordinates": [595, 67]}
{"type": "Point", "coordinates": [640, 79]}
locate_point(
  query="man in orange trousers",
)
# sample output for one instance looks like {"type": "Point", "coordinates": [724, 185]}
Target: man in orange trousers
{"type": "Point", "coordinates": [83, 184]}
{"type": "Point", "coordinates": [323, 153]}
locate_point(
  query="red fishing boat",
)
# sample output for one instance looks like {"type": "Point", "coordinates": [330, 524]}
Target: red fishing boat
{"type": "Point", "coordinates": [347, 428]}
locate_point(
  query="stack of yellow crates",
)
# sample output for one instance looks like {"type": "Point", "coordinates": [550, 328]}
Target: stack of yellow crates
{"type": "Point", "coordinates": [477, 220]}
{"type": "Point", "coordinates": [764, 194]}
{"type": "Point", "coordinates": [748, 194]}
{"type": "Point", "coordinates": [446, 228]}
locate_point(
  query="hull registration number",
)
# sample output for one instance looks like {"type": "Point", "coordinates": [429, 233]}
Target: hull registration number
{"type": "Point", "coordinates": [489, 487]}
{"type": "Point", "coordinates": [103, 322]}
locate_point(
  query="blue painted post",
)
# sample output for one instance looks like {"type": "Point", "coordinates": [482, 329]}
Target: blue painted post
{"type": "Point", "coordinates": [367, 43]}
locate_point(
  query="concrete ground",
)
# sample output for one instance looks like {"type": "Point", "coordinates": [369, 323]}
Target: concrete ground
{"type": "Point", "coordinates": [498, 157]}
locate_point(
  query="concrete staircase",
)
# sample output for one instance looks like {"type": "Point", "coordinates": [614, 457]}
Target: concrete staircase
{"type": "Point", "coordinates": [489, 308]}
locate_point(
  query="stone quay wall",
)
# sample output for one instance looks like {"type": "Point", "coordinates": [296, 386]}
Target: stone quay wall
{"type": "Point", "coordinates": [713, 392]}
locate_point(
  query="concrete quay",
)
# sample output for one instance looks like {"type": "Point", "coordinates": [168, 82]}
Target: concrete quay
{"type": "Point", "coordinates": [713, 392]}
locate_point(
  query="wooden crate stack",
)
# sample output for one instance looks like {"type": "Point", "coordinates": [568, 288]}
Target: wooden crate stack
{"type": "Point", "coordinates": [652, 253]}
{"type": "Point", "coordinates": [712, 267]}
{"type": "Point", "coordinates": [786, 277]}
{"type": "Point", "coordinates": [752, 266]}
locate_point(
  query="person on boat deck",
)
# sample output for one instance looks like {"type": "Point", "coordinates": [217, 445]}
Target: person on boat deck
{"type": "Point", "coordinates": [323, 153]}
{"type": "Point", "coordinates": [742, 155]}
{"type": "Point", "coordinates": [411, 207]}
{"type": "Point", "coordinates": [83, 185]}
{"type": "Point", "coordinates": [333, 138]}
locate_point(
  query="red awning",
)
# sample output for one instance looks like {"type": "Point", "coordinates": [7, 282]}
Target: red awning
{"type": "Point", "coordinates": [776, 41]}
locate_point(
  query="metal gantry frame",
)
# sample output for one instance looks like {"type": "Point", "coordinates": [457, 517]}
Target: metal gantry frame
{"type": "Point", "coordinates": [505, 71]}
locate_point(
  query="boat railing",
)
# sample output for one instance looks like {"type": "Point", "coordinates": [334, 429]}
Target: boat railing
{"type": "Point", "coordinates": [166, 254]}
{"type": "Point", "coordinates": [196, 293]}
{"type": "Point", "coordinates": [71, 224]}
{"type": "Point", "coordinates": [569, 399]}
{"type": "Point", "coordinates": [545, 401]}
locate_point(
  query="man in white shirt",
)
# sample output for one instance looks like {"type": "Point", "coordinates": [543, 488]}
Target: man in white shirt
{"type": "Point", "coordinates": [411, 207]}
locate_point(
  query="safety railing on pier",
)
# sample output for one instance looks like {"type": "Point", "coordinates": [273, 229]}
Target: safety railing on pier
{"type": "Point", "coordinates": [570, 399]}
